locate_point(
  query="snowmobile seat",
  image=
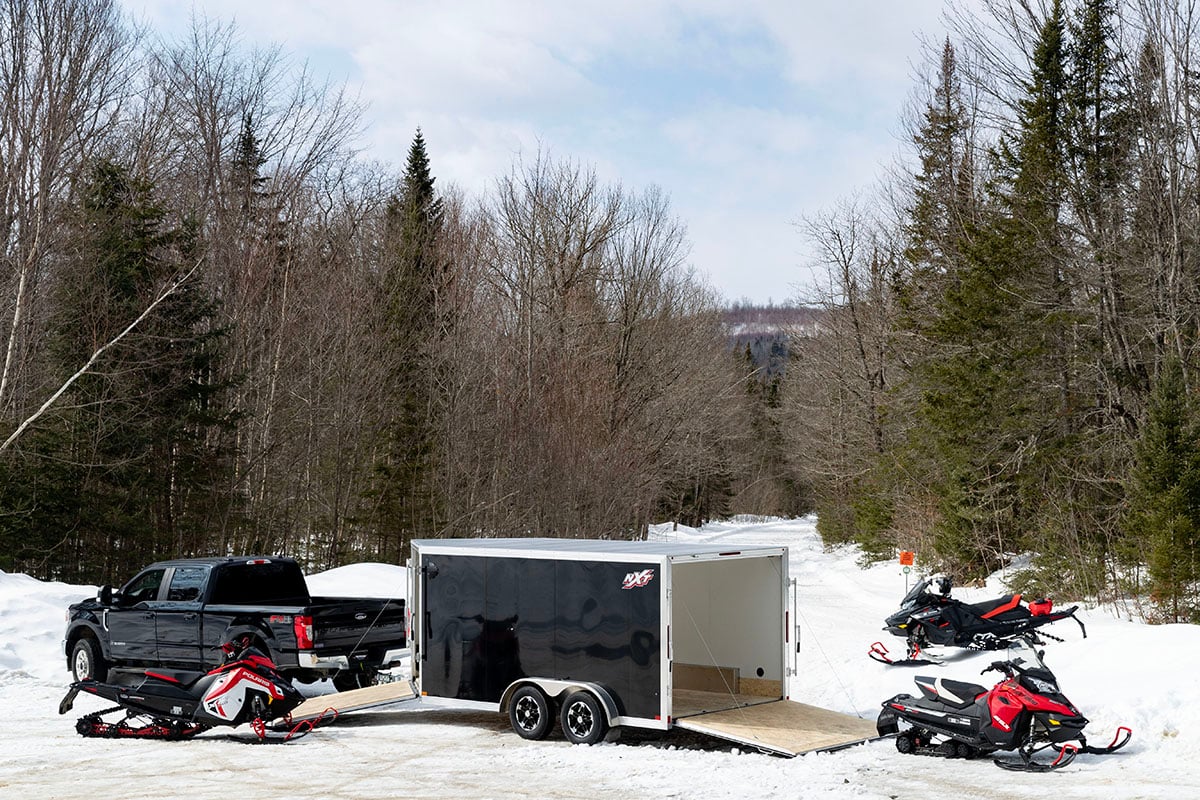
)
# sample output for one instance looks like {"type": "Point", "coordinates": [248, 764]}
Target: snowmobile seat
{"type": "Point", "coordinates": [958, 694]}
{"type": "Point", "coordinates": [1002, 608]}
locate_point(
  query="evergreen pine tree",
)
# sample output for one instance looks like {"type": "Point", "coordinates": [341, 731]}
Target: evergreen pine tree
{"type": "Point", "coordinates": [404, 500]}
{"type": "Point", "coordinates": [246, 168]}
{"type": "Point", "coordinates": [943, 191]}
{"type": "Point", "coordinates": [1164, 495]}
{"type": "Point", "coordinates": [994, 379]}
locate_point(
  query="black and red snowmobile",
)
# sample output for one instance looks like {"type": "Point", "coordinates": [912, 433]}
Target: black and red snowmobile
{"type": "Point", "coordinates": [246, 688]}
{"type": "Point", "coordinates": [1025, 712]}
{"type": "Point", "coordinates": [927, 617]}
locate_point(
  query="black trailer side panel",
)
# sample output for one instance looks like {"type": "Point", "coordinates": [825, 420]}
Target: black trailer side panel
{"type": "Point", "coordinates": [492, 620]}
{"type": "Point", "coordinates": [609, 635]}
{"type": "Point", "coordinates": [519, 614]}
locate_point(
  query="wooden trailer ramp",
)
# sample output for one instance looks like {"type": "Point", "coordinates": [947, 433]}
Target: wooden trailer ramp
{"type": "Point", "coordinates": [782, 727]}
{"type": "Point", "coordinates": [383, 694]}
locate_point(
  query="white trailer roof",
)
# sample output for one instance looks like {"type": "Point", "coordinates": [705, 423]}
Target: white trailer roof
{"type": "Point", "coordinates": [578, 549]}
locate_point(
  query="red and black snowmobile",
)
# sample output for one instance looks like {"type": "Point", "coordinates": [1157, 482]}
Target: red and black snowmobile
{"type": "Point", "coordinates": [1025, 712]}
{"type": "Point", "coordinates": [927, 618]}
{"type": "Point", "coordinates": [247, 687]}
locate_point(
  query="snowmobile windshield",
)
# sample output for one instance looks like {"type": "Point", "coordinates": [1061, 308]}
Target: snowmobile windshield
{"type": "Point", "coordinates": [1033, 672]}
{"type": "Point", "coordinates": [915, 592]}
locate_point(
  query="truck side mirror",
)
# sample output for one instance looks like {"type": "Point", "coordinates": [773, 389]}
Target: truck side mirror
{"type": "Point", "coordinates": [105, 596]}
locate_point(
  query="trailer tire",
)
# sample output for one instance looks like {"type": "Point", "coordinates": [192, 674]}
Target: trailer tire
{"type": "Point", "coordinates": [582, 719]}
{"type": "Point", "coordinates": [530, 714]}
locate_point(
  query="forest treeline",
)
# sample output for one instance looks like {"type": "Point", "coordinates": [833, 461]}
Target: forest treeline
{"type": "Point", "coordinates": [1010, 358]}
{"type": "Point", "coordinates": [333, 356]}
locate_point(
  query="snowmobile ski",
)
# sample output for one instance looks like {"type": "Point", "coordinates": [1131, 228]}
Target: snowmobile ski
{"type": "Point", "coordinates": [1120, 739]}
{"type": "Point", "coordinates": [916, 656]}
{"type": "Point", "coordinates": [1066, 754]}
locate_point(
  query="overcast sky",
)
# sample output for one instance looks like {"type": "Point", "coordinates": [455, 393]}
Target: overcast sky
{"type": "Point", "coordinates": [748, 113]}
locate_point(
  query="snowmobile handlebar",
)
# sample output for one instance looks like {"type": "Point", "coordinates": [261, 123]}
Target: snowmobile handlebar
{"type": "Point", "coordinates": [1007, 667]}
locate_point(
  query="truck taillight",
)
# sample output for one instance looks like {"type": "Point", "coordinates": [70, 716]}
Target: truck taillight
{"type": "Point", "coordinates": [303, 627]}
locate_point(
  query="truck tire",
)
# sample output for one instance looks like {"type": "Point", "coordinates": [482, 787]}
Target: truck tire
{"type": "Point", "coordinates": [582, 719]}
{"type": "Point", "coordinates": [529, 713]}
{"type": "Point", "coordinates": [86, 661]}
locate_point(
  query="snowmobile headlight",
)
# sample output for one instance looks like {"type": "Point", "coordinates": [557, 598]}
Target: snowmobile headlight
{"type": "Point", "coordinates": [1045, 687]}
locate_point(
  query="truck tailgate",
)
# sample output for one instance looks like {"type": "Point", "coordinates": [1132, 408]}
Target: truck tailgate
{"type": "Point", "coordinates": [345, 623]}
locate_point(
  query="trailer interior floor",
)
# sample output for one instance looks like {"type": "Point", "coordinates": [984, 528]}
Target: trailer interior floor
{"type": "Point", "coordinates": [692, 702]}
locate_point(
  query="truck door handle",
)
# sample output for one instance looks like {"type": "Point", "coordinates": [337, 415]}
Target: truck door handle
{"type": "Point", "coordinates": [189, 617]}
{"type": "Point", "coordinates": [148, 615]}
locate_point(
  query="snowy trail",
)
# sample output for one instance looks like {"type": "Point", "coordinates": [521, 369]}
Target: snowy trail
{"type": "Point", "coordinates": [1124, 673]}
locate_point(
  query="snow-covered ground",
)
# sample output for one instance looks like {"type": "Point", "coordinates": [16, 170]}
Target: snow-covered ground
{"type": "Point", "coordinates": [1123, 673]}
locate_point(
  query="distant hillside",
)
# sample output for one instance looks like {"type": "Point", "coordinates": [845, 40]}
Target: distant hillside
{"type": "Point", "coordinates": [766, 330]}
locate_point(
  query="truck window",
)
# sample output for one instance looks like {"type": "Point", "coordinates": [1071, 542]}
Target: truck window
{"type": "Point", "coordinates": [186, 584]}
{"type": "Point", "coordinates": [279, 583]}
{"type": "Point", "coordinates": [143, 588]}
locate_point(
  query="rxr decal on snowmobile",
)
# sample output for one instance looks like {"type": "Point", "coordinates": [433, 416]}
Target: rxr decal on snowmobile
{"type": "Point", "coordinates": [636, 580]}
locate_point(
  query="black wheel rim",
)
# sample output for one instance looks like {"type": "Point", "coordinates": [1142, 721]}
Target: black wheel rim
{"type": "Point", "coordinates": [528, 713]}
{"type": "Point", "coordinates": [580, 719]}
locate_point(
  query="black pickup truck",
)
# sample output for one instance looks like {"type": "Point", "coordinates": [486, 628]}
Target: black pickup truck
{"type": "Point", "coordinates": [177, 614]}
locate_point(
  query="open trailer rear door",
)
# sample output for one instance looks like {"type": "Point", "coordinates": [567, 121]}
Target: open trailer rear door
{"type": "Point", "coordinates": [783, 727]}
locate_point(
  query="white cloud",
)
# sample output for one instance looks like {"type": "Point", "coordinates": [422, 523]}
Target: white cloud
{"type": "Point", "coordinates": [489, 80]}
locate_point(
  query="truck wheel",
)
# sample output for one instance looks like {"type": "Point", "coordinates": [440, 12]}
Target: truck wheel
{"type": "Point", "coordinates": [529, 713]}
{"type": "Point", "coordinates": [582, 720]}
{"type": "Point", "coordinates": [86, 661]}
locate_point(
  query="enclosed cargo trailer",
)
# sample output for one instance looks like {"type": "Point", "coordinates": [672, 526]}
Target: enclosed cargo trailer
{"type": "Point", "coordinates": [597, 635]}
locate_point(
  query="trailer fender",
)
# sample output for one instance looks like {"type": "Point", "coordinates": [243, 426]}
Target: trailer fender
{"type": "Point", "coordinates": [558, 689]}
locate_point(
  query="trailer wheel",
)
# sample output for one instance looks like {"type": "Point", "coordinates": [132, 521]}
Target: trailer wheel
{"type": "Point", "coordinates": [529, 713]}
{"type": "Point", "coordinates": [582, 720]}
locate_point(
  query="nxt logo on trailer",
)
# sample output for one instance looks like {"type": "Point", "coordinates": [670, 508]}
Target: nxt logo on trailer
{"type": "Point", "coordinates": [636, 580]}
